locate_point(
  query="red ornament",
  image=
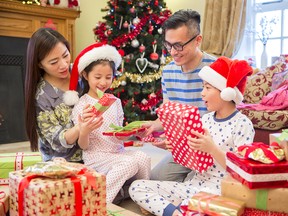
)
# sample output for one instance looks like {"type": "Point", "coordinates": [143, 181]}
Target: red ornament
{"type": "Point", "coordinates": [121, 52]}
{"type": "Point", "coordinates": [142, 48]}
{"type": "Point", "coordinates": [154, 56]}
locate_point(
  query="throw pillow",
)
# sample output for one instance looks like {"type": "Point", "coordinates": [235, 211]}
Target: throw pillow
{"type": "Point", "coordinates": [278, 78]}
{"type": "Point", "coordinates": [260, 84]}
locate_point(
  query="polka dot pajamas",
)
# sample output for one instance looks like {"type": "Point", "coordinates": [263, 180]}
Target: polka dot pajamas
{"type": "Point", "coordinates": [107, 155]}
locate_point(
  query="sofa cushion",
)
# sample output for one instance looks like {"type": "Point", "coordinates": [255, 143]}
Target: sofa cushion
{"type": "Point", "coordinates": [268, 120]}
{"type": "Point", "coordinates": [260, 83]}
{"type": "Point", "coordinates": [278, 79]}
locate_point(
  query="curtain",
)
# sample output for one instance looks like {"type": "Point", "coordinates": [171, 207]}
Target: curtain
{"type": "Point", "coordinates": [224, 26]}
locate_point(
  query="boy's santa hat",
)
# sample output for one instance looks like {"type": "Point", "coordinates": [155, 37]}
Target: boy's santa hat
{"type": "Point", "coordinates": [94, 52]}
{"type": "Point", "coordinates": [229, 76]}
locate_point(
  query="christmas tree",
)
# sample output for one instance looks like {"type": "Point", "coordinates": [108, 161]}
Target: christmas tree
{"type": "Point", "coordinates": [134, 28]}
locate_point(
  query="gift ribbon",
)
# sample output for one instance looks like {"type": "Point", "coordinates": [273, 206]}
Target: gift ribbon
{"type": "Point", "coordinates": [255, 146]}
{"type": "Point", "coordinates": [77, 188]}
{"type": "Point", "coordinates": [2, 196]}
{"type": "Point", "coordinates": [261, 199]}
{"type": "Point", "coordinates": [18, 162]}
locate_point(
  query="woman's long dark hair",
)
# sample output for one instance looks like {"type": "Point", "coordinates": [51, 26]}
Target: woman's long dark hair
{"type": "Point", "coordinates": [40, 45]}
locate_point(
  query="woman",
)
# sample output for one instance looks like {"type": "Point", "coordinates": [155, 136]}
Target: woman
{"type": "Point", "coordinates": [48, 124]}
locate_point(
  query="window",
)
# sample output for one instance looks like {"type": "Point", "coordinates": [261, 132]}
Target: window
{"type": "Point", "coordinates": [269, 10]}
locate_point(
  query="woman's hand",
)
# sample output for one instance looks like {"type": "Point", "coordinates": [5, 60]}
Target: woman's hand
{"type": "Point", "coordinates": [201, 142]}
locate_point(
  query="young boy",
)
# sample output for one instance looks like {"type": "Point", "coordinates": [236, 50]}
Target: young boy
{"type": "Point", "coordinates": [225, 128]}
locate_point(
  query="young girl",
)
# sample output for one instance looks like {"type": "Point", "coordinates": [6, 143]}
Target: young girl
{"type": "Point", "coordinates": [225, 129]}
{"type": "Point", "coordinates": [97, 65]}
{"type": "Point", "coordinates": [48, 122]}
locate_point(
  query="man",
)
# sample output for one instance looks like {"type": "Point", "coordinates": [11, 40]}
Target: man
{"type": "Point", "coordinates": [180, 80]}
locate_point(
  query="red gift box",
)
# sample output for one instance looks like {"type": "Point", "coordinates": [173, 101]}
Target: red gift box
{"type": "Point", "coordinates": [103, 104]}
{"type": "Point", "coordinates": [178, 120]}
{"type": "Point", "coordinates": [255, 174]}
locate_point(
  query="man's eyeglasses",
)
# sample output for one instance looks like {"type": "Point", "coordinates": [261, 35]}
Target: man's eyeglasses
{"type": "Point", "coordinates": [177, 46]}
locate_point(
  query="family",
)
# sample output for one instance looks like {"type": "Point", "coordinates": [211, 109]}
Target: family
{"type": "Point", "coordinates": [60, 121]}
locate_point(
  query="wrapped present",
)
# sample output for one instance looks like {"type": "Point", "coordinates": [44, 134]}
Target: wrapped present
{"type": "Point", "coordinates": [281, 139]}
{"type": "Point", "coordinates": [257, 212]}
{"type": "Point", "coordinates": [263, 199]}
{"type": "Point", "coordinates": [133, 128]}
{"type": "Point", "coordinates": [80, 194]}
{"type": "Point", "coordinates": [255, 174]}
{"type": "Point", "coordinates": [178, 120]}
{"type": "Point", "coordinates": [4, 199]}
{"type": "Point", "coordinates": [211, 204]}
{"type": "Point", "coordinates": [259, 151]}
{"type": "Point", "coordinates": [16, 161]}
{"type": "Point", "coordinates": [105, 101]}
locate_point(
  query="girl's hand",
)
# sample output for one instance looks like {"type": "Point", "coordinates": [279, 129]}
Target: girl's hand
{"type": "Point", "coordinates": [89, 125]}
{"type": "Point", "coordinates": [202, 142]}
{"type": "Point", "coordinates": [87, 113]}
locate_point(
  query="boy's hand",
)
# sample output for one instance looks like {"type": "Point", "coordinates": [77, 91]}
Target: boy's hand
{"type": "Point", "coordinates": [202, 142]}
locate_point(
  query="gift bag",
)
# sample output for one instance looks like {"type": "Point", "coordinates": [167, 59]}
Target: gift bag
{"type": "Point", "coordinates": [178, 120]}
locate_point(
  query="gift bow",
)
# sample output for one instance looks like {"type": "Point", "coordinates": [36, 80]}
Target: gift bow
{"type": "Point", "coordinates": [77, 188]}
{"type": "Point", "coordinates": [256, 145]}
{"type": "Point", "coordinates": [128, 127]}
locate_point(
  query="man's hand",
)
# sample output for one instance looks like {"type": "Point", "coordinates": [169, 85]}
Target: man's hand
{"type": "Point", "coordinates": [152, 126]}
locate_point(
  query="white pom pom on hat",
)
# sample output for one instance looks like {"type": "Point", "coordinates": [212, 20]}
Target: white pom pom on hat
{"type": "Point", "coordinates": [229, 76]}
{"type": "Point", "coordinates": [94, 52]}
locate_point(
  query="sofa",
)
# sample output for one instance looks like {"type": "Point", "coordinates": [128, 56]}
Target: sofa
{"type": "Point", "coordinates": [265, 99]}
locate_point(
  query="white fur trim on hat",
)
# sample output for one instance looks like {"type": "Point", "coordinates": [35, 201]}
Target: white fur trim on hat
{"type": "Point", "coordinates": [70, 98]}
{"type": "Point", "coordinates": [105, 52]}
{"type": "Point", "coordinates": [215, 79]}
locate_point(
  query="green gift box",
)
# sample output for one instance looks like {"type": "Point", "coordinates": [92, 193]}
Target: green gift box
{"type": "Point", "coordinates": [16, 161]}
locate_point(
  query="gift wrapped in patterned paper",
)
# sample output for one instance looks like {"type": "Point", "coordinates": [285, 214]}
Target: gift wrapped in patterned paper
{"type": "Point", "coordinates": [16, 161]}
{"type": "Point", "coordinates": [281, 139]}
{"type": "Point", "coordinates": [105, 101]}
{"type": "Point", "coordinates": [257, 175]}
{"type": "Point", "coordinates": [4, 199]}
{"type": "Point", "coordinates": [83, 193]}
{"type": "Point", "coordinates": [270, 199]}
{"type": "Point", "coordinates": [211, 204]}
{"type": "Point", "coordinates": [257, 212]}
{"type": "Point", "coordinates": [178, 120]}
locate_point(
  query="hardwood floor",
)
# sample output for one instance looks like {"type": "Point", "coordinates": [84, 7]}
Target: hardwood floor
{"type": "Point", "coordinates": [15, 147]}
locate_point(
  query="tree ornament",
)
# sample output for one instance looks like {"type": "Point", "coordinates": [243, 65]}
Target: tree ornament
{"type": "Point", "coordinates": [141, 62]}
{"type": "Point", "coordinates": [141, 4]}
{"type": "Point", "coordinates": [154, 56]}
{"type": "Point", "coordinates": [135, 43]}
{"type": "Point", "coordinates": [136, 21]}
{"type": "Point", "coordinates": [160, 30]}
{"type": "Point", "coordinates": [123, 83]}
{"type": "Point", "coordinates": [151, 28]}
{"type": "Point", "coordinates": [125, 24]}
{"type": "Point", "coordinates": [142, 48]}
{"type": "Point", "coordinates": [132, 10]}
{"type": "Point", "coordinates": [121, 21]}
{"type": "Point", "coordinates": [121, 52]}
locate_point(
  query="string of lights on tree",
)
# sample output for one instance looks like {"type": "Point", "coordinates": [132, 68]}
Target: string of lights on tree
{"type": "Point", "coordinates": [134, 28]}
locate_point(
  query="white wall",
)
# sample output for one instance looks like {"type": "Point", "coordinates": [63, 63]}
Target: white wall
{"type": "Point", "coordinates": [91, 14]}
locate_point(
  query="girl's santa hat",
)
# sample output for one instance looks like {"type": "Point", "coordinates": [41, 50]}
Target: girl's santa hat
{"type": "Point", "coordinates": [229, 76]}
{"type": "Point", "coordinates": [94, 52]}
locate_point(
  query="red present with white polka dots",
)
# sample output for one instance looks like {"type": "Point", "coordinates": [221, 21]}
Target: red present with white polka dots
{"type": "Point", "coordinates": [178, 120]}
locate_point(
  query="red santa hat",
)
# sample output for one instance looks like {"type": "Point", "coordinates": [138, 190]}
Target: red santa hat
{"type": "Point", "coordinates": [94, 52]}
{"type": "Point", "coordinates": [229, 76]}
